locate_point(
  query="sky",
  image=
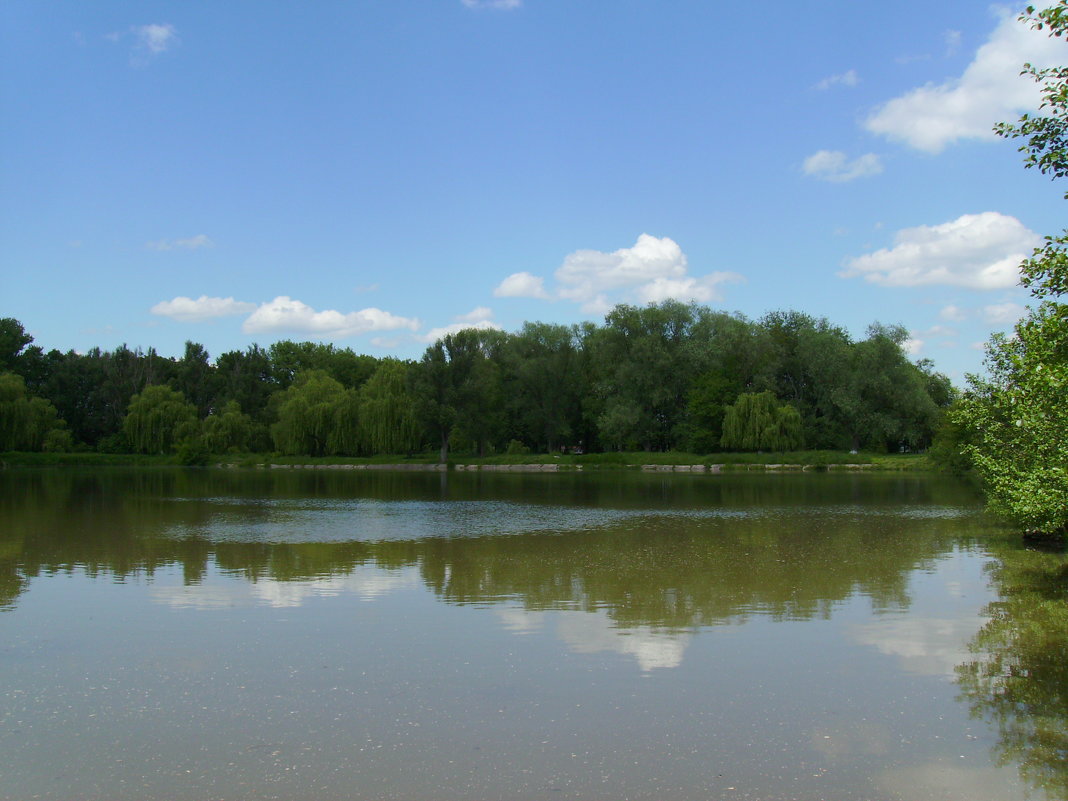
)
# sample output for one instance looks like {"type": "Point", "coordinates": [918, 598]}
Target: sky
{"type": "Point", "coordinates": [374, 174]}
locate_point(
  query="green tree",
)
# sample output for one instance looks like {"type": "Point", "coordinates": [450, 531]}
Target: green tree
{"type": "Point", "coordinates": [647, 358]}
{"type": "Point", "coordinates": [544, 383]}
{"type": "Point", "coordinates": [247, 378]}
{"type": "Point", "coordinates": [195, 377]}
{"type": "Point", "coordinates": [387, 411]}
{"type": "Point", "coordinates": [227, 429]}
{"type": "Point", "coordinates": [158, 419]}
{"type": "Point", "coordinates": [456, 385]}
{"type": "Point", "coordinates": [13, 339]}
{"type": "Point", "coordinates": [28, 423]}
{"type": "Point", "coordinates": [317, 416]}
{"type": "Point", "coordinates": [1017, 417]}
{"type": "Point", "coordinates": [288, 359]}
{"type": "Point", "coordinates": [881, 399]}
{"type": "Point", "coordinates": [756, 422]}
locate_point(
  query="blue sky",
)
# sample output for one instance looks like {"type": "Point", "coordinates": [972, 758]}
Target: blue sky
{"type": "Point", "coordinates": [372, 173]}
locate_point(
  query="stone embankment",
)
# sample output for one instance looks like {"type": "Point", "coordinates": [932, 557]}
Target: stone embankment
{"type": "Point", "coordinates": [764, 468]}
{"type": "Point", "coordinates": [515, 468]}
{"type": "Point", "coordinates": [423, 468]}
{"type": "Point", "coordinates": [681, 468]}
{"type": "Point", "coordinates": [553, 468]}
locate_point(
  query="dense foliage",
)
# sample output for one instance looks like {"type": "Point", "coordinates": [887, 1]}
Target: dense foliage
{"type": "Point", "coordinates": [667, 376]}
{"type": "Point", "coordinates": [1017, 418]}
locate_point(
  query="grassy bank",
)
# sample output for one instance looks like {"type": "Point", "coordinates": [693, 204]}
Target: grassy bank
{"type": "Point", "coordinates": [83, 459]}
{"type": "Point", "coordinates": [591, 461]}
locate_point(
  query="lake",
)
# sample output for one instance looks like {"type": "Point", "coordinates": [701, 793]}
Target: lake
{"type": "Point", "coordinates": [297, 634]}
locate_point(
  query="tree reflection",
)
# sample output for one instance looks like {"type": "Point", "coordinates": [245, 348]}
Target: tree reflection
{"type": "Point", "coordinates": [645, 551]}
{"type": "Point", "coordinates": [1019, 680]}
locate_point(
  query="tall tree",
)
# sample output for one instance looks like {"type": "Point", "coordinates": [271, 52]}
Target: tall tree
{"type": "Point", "coordinates": [1018, 417]}
{"type": "Point", "coordinates": [456, 385]}
{"type": "Point", "coordinates": [246, 377]}
{"type": "Point", "coordinates": [13, 339]}
{"type": "Point", "coordinates": [881, 400]}
{"type": "Point", "coordinates": [545, 382]}
{"type": "Point", "coordinates": [647, 362]}
{"type": "Point", "coordinates": [195, 377]}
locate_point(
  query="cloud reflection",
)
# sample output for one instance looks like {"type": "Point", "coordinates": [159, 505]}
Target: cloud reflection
{"type": "Point", "coordinates": [366, 583]}
{"type": "Point", "coordinates": [925, 646]}
{"type": "Point", "coordinates": [596, 632]}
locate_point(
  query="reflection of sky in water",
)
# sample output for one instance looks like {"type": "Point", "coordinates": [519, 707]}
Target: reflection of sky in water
{"type": "Point", "coordinates": [928, 646]}
{"type": "Point", "coordinates": [582, 632]}
{"type": "Point", "coordinates": [374, 520]}
{"type": "Point", "coordinates": [596, 632]}
{"type": "Point", "coordinates": [931, 638]}
{"type": "Point", "coordinates": [365, 582]}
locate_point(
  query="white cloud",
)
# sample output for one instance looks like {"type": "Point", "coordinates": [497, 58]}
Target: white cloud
{"type": "Point", "coordinates": [953, 313]}
{"type": "Point", "coordinates": [285, 314]}
{"type": "Point", "coordinates": [502, 4]}
{"type": "Point", "coordinates": [848, 78]}
{"type": "Point", "coordinates": [653, 270]}
{"type": "Point", "coordinates": [476, 315]}
{"type": "Point", "coordinates": [990, 90]}
{"type": "Point", "coordinates": [155, 38]}
{"type": "Point", "coordinates": [188, 310]}
{"type": "Point", "coordinates": [701, 290]}
{"type": "Point", "coordinates": [521, 285]}
{"type": "Point", "coordinates": [834, 166]}
{"type": "Point", "coordinates": [978, 251]}
{"type": "Point", "coordinates": [434, 334]}
{"type": "Point", "coordinates": [939, 331]}
{"type": "Point", "coordinates": [587, 273]}
{"type": "Point", "coordinates": [952, 40]}
{"type": "Point", "coordinates": [1003, 313]}
{"type": "Point", "coordinates": [191, 243]}
{"type": "Point", "coordinates": [478, 318]}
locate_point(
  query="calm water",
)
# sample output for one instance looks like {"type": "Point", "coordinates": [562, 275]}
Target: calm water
{"type": "Point", "coordinates": [327, 635]}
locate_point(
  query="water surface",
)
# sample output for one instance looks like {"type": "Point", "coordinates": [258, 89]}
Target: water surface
{"type": "Point", "coordinates": [196, 634]}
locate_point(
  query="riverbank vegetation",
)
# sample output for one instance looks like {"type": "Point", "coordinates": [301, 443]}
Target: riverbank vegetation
{"type": "Point", "coordinates": [1013, 423]}
{"type": "Point", "coordinates": [662, 378]}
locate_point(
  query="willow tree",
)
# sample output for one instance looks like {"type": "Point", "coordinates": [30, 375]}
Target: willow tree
{"type": "Point", "coordinates": [227, 430]}
{"type": "Point", "coordinates": [28, 423]}
{"type": "Point", "coordinates": [158, 418]}
{"type": "Point", "coordinates": [756, 422]}
{"type": "Point", "coordinates": [316, 417]}
{"type": "Point", "coordinates": [387, 411]}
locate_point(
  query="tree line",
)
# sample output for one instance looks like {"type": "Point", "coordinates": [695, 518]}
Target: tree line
{"type": "Point", "coordinates": [667, 376]}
